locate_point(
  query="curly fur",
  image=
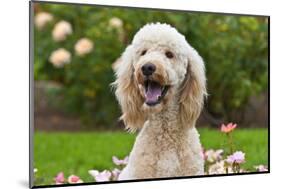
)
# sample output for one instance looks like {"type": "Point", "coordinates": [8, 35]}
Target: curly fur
{"type": "Point", "coordinates": [168, 143]}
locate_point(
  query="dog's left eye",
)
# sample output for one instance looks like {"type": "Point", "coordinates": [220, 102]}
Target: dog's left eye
{"type": "Point", "coordinates": [169, 54]}
{"type": "Point", "coordinates": [143, 52]}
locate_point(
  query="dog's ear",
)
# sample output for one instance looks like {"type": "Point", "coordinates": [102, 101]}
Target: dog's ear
{"type": "Point", "coordinates": [127, 91]}
{"type": "Point", "coordinates": [193, 89]}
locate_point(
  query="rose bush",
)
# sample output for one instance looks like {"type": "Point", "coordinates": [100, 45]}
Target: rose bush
{"type": "Point", "coordinates": [233, 47]}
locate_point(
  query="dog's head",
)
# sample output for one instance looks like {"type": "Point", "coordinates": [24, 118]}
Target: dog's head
{"type": "Point", "coordinates": [157, 69]}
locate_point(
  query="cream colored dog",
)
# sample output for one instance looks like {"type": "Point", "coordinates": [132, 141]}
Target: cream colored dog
{"type": "Point", "coordinates": [160, 87]}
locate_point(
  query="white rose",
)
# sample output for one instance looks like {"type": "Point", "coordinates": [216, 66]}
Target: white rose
{"type": "Point", "coordinates": [83, 46]}
{"type": "Point", "coordinates": [115, 22]}
{"type": "Point", "coordinates": [60, 57]}
{"type": "Point", "coordinates": [61, 30]}
{"type": "Point", "coordinates": [42, 18]}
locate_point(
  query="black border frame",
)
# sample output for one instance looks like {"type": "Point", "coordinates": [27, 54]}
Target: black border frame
{"type": "Point", "coordinates": [31, 95]}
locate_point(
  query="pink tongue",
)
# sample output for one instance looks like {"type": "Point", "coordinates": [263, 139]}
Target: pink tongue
{"type": "Point", "coordinates": [153, 92]}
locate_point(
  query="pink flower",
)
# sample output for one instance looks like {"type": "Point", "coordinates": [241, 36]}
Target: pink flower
{"type": "Point", "coordinates": [213, 155]}
{"type": "Point", "coordinates": [74, 179]}
{"type": "Point", "coordinates": [219, 168]}
{"type": "Point", "coordinates": [59, 179]}
{"type": "Point", "coordinates": [117, 161]}
{"type": "Point", "coordinates": [261, 168]}
{"type": "Point", "coordinates": [100, 176]}
{"type": "Point", "coordinates": [236, 157]}
{"type": "Point", "coordinates": [228, 128]}
{"type": "Point", "coordinates": [115, 173]}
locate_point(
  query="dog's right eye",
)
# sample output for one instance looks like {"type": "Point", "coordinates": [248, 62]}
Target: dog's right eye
{"type": "Point", "coordinates": [143, 52]}
{"type": "Point", "coordinates": [169, 54]}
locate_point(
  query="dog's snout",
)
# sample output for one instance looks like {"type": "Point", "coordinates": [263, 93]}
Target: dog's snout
{"type": "Point", "coordinates": [148, 69]}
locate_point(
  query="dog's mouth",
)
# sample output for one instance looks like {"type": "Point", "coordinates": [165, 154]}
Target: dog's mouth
{"type": "Point", "coordinates": [154, 92]}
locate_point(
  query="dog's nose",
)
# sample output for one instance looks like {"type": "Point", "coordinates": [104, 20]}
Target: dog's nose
{"type": "Point", "coordinates": [148, 69]}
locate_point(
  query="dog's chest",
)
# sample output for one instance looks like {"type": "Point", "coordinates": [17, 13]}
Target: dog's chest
{"type": "Point", "coordinates": [161, 151]}
{"type": "Point", "coordinates": [168, 163]}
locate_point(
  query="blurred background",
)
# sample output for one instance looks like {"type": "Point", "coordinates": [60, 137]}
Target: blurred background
{"type": "Point", "coordinates": [75, 48]}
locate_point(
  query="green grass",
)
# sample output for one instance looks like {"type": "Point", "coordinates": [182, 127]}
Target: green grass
{"type": "Point", "coordinates": [76, 153]}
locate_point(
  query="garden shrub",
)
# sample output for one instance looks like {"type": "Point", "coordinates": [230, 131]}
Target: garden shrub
{"type": "Point", "coordinates": [234, 49]}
